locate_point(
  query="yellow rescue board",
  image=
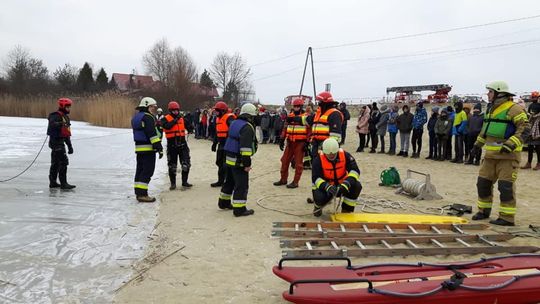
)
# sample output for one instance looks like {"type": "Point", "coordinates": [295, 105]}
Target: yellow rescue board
{"type": "Point", "coordinates": [396, 218]}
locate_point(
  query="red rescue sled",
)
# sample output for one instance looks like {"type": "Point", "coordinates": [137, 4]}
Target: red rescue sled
{"type": "Point", "coordinates": [513, 279]}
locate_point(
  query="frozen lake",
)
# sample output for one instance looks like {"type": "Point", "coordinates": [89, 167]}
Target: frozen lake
{"type": "Point", "coordinates": [69, 246]}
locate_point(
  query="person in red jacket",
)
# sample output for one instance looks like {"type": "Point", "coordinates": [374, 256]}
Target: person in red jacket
{"type": "Point", "coordinates": [59, 131]}
{"type": "Point", "coordinates": [295, 133]}
{"type": "Point", "coordinates": [223, 121]}
{"type": "Point", "coordinates": [177, 147]}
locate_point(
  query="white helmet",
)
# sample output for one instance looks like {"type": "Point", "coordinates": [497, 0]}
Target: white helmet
{"type": "Point", "coordinates": [248, 108]}
{"type": "Point", "coordinates": [160, 110]}
{"type": "Point", "coordinates": [147, 101]}
{"type": "Point", "coordinates": [330, 146]}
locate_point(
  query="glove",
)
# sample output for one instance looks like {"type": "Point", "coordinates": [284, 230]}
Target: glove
{"type": "Point", "coordinates": [476, 150]}
{"type": "Point", "coordinates": [160, 154]}
{"type": "Point", "coordinates": [507, 148]}
{"type": "Point", "coordinates": [332, 190]}
{"type": "Point", "coordinates": [214, 147]}
{"type": "Point", "coordinates": [70, 150]}
{"type": "Point", "coordinates": [282, 145]}
{"type": "Point", "coordinates": [343, 188]}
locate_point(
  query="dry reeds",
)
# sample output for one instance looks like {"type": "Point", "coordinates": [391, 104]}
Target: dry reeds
{"type": "Point", "coordinates": [107, 110]}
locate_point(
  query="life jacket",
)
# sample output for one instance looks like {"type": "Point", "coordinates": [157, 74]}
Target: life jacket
{"type": "Point", "coordinates": [221, 125]}
{"type": "Point", "coordinates": [296, 131]}
{"type": "Point", "coordinates": [178, 129]}
{"type": "Point", "coordinates": [334, 173]}
{"type": "Point", "coordinates": [233, 139]}
{"type": "Point", "coordinates": [63, 131]}
{"type": "Point", "coordinates": [497, 123]}
{"type": "Point", "coordinates": [321, 129]}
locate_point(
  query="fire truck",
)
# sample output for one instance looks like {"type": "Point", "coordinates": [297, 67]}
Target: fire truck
{"type": "Point", "coordinates": [407, 94]}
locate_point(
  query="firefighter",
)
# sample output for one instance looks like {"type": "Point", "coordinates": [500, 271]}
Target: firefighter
{"type": "Point", "coordinates": [327, 122]}
{"type": "Point", "coordinates": [224, 120]}
{"type": "Point", "coordinates": [296, 135]}
{"type": "Point", "coordinates": [59, 131]}
{"type": "Point", "coordinates": [334, 174]}
{"type": "Point", "coordinates": [147, 142]}
{"type": "Point", "coordinates": [240, 146]}
{"type": "Point", "coordinates": [177, 148]}
{"type": "Point", "coordinates": [504, 129]}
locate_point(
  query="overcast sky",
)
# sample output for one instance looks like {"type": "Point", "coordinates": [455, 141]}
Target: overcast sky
{"type": "Point", "coordinates": [115, 35]}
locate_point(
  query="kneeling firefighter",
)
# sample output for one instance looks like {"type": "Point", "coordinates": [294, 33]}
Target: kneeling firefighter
{"type": "Point", "coordinates": [240, 146]}
{"type": "Point", "coordinates": [505, 127]}
{"type": "Point", "coordinates": [147, 143]}
{"type": "Point", "coordinates": [335, 174]}
{"type": "Point", "coordinates": [177, 147]}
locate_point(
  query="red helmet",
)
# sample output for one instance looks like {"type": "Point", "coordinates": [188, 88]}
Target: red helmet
{"type": "Point", "coordinates": [535, 94]}
{"type": "Point", "coordinates": [298, 102]}
{"type": "Point", "coordinates": [64, 102]}
{"type": "Point", "coordinates": [325, 97]}
{"type": "Point", "coordinates": [262, 109]}
{"type": "Point", "coordinates": [173, 105]}
{"type": "Point", "coordinates": [220, 105]}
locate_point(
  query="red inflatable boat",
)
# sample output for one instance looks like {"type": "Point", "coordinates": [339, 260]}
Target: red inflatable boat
{"type": "Point", "coordinates": [511, 279]}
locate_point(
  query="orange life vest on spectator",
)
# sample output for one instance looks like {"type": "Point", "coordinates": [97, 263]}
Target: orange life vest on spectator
{"type": "Point", "coordinates": [334, 175]}
{"type": "Point", "coordinates": [296, 132]}
{"type": "Point", "coordinates": [221, 126]}
{"type": "Point", "coordinates": [177, 130]}
{"type": "Point", "coordinates": [321, 130]}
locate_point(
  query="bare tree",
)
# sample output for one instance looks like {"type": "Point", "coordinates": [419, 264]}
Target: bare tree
{"type": "Point", "coordinates": [158, 61]}
{"type": "Point", "coordinates": [231, 73]}
{"type": "Point", "coordinates": [183, 74]}
{"type": "Point", "coordinates": [24, 73]}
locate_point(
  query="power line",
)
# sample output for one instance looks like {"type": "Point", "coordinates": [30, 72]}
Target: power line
{"type": "Point", "coordinates": [434, 52]}
{"type": "Point", "coordinates": [277, 59]}
{"type": "Point", "coordinates": [278, 74]}
{"type": "Point", "coordinates": [426, 33]}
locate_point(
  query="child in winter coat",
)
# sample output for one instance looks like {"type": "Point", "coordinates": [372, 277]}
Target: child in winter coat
{"type": "Point", "coordinates": [442, 130]}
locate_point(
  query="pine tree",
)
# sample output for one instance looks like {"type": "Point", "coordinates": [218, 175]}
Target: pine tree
{"type": "Point", "coordinates": [206, 81]}
{"type": "Point", "coordinates": [85, 80]}
{"type": "Point", "coordinates": [112, 84]}
{"type": "Point", "coordinates": [102, 80]}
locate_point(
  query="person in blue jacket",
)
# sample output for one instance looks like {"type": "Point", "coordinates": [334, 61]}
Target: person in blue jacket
{"type": "Point", "coordinates": [459, 130]}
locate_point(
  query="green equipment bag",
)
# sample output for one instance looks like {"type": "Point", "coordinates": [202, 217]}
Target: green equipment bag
{"type": "Point", "coordinates": [390, 177]}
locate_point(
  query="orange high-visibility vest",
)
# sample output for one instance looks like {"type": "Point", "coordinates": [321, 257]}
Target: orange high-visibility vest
{"type": "Point", "coordinates": [221, 125]}
{"type": "Point", "coordinates": [177, 130]}
{"type": "Point", "coordinates": [321, 129]}
{"type": "Point", "coordinates": [295, 131]}
{"type": "Point", "coordinates": [336, 173]}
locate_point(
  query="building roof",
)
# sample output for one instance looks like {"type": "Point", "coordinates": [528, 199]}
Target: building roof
{"type": "Point", "coordinates": [205, 91]}
{"type": "Point", "coordinates": [125, 82]}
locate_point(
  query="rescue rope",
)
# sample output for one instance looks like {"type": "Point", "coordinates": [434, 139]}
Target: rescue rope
{"type": "Point", "coordinates": [278, 210]}
{"type": "Point", "coordinates": [33, 161]}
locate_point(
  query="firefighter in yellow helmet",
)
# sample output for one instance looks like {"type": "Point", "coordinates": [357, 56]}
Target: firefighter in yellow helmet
{"type": "Point", "coordinates": [334, 174]}
{"type": "Point", "coordinates": [505, 127]}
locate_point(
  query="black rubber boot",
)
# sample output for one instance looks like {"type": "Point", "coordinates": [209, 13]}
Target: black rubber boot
{"type": "Point", "coordinates": [481, 215]}
{"type": "Point", "coordinates": [224, 204]}
{"type": "Point", "coordinates": [317, 211]}
{"type": "Point", "coordinates": [172, 178]}
{"type": "Point", "coordinates": [185, 184]}
{"type": "Point", "coordinates": [243, 211]}
{"type": "Point", "coordinates": [501, 222]}
{"type": "Point", "coordinates": [53, 183]}
{"type": "Point", "coordinates": [63, 181]}
{"type": "Point", "coordinates": [216, 184]}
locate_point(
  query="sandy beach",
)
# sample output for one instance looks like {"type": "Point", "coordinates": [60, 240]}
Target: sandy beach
{"type": "Point", "coordinates": [218, 258]}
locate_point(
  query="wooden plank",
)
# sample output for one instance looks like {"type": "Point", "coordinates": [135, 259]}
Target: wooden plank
{"type": "Point", "coordinates": [417, 239]}
{"type": "Point", "coordinates": [334, 245]}
{"type": "Point", "coordinates": [462, 242]}
{"type": "Point", "coordinates": [482, 238]}
{"type": "Point", "coordinates": [336, 225]}
{"type": "Point", "coordinates": [342, 228]}
{"type": "Point", "coordinates": [411, 228]}
{"type": "Point", "coordinates": [388, 228]}
{"type": "Point", "coordinates": [436, 230]}
{"type": "Point", "coordinates": [366, 229]}
{"type": "Point", "coordinates": [411, 244]}
{"type": "Point", "coordinates": [308, 245]}
{"type": "Point", "coordinates": [434, 241]}
{"type": "Point", "coordinates": [360, 244]}
{"type": "Point", "coordinates": [457, 229]}
{"type": "Point", "coordinates": [385, 243]}
{"type": "Point", "coordinates": [409, 251]}
{"type": "Point", "coordinates": [296, 227]}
